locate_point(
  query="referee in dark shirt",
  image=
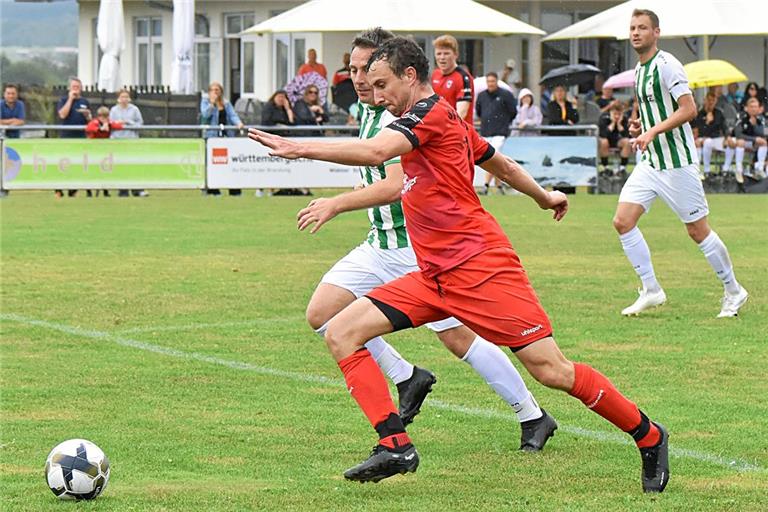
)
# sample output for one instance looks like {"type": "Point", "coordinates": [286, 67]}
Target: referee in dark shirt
{"type": "Point", "coordinates": [496, 108]}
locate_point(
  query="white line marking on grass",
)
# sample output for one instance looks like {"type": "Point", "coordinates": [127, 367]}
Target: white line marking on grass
{"type": "Point", "coordinates": [606, 437]}
{"type": "Point", "coordinates": [215, 325]}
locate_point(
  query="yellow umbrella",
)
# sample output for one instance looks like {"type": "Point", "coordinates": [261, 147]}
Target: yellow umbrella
{"type": "Point", "coordinates": [712, 72]}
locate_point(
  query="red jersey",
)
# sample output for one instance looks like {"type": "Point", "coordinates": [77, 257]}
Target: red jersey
{"type": "Point", "coordinates": [454, 87]}
{"type": "Point", "coordinates": [446, 223]}
{"type": "Point", "coordinates": [92, 129]}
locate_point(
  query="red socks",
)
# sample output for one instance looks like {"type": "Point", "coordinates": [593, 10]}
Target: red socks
{"type": "Point", "coordinates": [598, 394]}
{"type": "Point", "coordinates": [367, 386]}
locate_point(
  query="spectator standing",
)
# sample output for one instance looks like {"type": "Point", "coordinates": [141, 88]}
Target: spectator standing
{"type": "Point", "coordinates": [496, 108]}
{"type": "Point", "coordinates": [510, 75]}
{"type": "Point", "coordinates": [12, 111]}
{"type": "Point", "coordinates": [101, 128]}
{"type": "Point", "coordinates": [751, 134]}
{"type": "Point", "coordinates": [129, 115]}
{"type": "Point", "coordinates": [312, 65]}
{"type": "Point", "coordinates": [216, 110]}
{"type": "Point", "coordinates": [614, 134]}
{"type": "Point", "coordinates": [528, 113]}
{"type": "Point", "coordinates": [344, 94]}
{"type": "Point", "coordinates": [560, 110]}
{"type": "Point", "coordinates": [451, 81]}
{"type": "Point", "coordinates": [711, 132]}
{"type": "Point", "coordinates": [73, 110]}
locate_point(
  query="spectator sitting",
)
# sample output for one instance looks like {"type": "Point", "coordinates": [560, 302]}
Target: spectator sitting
{"type": "Point", "coordinates": [734, 95]}
{"type": "Point", "coordinates": [312, 65]}
{"type": "Point", "coordinates": [496, 108]}
{"type": "Point", "coordinates": [528, 113]}
{"type": "Point", "coordinates": [614, 134]}
{"type": "Point", "coordinates": [753, 91]}
{"type": "Point", "coordinates": [344, 94]}
{"type": "Point", "coordinates": [278, 112]}
{"type": "Point", "coordinates": [11, 110]}
{"type": "Point", "coordinates": [712, 133]}
{"type": "Point", "coordinates": [308, 110]}
{"type": "Point", "coordinates": [606, 101]}
{"type": "Point", "coordinates": [562, 111]}
{"type": "Point", "coordinates": [750, 133]}
{"type": "Point", "coordinates": [720, 101]}
{"type": "Point", "coordinates": [215, 110]}
{"type": "Point", "coordinates": [73, 110]}
{"type": "Point", "coordinates": [130, 115]}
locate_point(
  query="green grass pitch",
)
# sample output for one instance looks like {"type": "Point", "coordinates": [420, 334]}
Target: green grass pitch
{"type": "Point", "coordinates": [170, 332]}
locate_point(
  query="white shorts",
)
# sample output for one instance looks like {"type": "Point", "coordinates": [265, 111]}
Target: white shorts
{"type": "Point", "coordinates": [366, 267]}
{"type": "Point", "coordinates": [496, 141]}
{"type": "Point", "coordinates": [680, 188]}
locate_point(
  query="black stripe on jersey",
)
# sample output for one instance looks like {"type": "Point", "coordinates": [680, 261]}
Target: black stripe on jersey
{"type": "Point", "coordinates": [467, 80]}
{"type": "Point", "coordinates": [408, 121]}
{"type": "Point", "coordinates": [486, 156]}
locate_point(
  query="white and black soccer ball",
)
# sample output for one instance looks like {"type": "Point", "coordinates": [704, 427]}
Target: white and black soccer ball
{"type": "Point", "coordinates": [77, 470]}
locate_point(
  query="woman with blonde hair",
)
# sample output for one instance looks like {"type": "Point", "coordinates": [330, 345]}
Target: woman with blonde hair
{"type": "Point", "coordinates": [217, 110]}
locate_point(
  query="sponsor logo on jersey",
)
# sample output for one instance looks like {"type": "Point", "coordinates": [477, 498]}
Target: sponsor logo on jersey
{"type": "Point", "coordinates": [531, 330]}
{"type": "Point", "coordinates": [408, 183]}
{"type": "Point", "coordinates": [413, 117]}
{"type": "Point", "coordinates": [421, 104]}
{"type": "Point", "coordinates": [220, 156]}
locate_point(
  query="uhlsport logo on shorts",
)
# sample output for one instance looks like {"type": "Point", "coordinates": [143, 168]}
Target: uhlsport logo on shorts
{"type": "Point", "coordinates": [531, 330]}
{"type": "Point", "coordinates": [220, 156]}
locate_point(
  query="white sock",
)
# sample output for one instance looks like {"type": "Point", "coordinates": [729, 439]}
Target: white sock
{"type": "Point", "coordinates": [728, 158]}
{"type": "Point", "coordinates": [498, 371]}
{"type": "Point", "coordinates": [707, 150]}
{"type": "Point", "coordinates": [739, 159]}
{"type": "Point", "coordinates": [388, 359]}
{"type": "Point", "coordinates": [717, 255]}
{"type": "Point", "coordinates": [760, 159]}
{"type": "Point", "coordinates": [639, 255]}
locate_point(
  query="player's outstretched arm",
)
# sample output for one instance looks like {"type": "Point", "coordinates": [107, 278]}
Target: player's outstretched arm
{"type": "Point", "coordinates": [321, 210]}
{"type": "Point", "coordinates": [518, 178]}
{"type": "Point", "coordinates": [371, 152]}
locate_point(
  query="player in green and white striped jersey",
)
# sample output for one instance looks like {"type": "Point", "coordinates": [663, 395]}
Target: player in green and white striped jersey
{"type": "Point", "coordinates": [385, 255]}
{"type": "Point", "coordinates": [668, 169]}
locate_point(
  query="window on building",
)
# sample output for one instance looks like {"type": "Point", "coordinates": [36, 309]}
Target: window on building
{"type": "Point", "coordinates": [471, 54]}
{"type": "Point", "coordinates": [149, 50]}
{"type": "Point", "coordinates": [236, 51]}
{"type": "Point", "coordinates": [555, 53]}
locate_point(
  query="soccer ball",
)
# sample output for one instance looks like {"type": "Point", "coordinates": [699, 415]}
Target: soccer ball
{"type": "Point", "coordinates": [77, 470]}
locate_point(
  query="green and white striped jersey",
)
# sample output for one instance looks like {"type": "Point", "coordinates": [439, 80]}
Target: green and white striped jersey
{"type": "Point", "coordinates": [387, 222]}
{"type": "Point", "coordinates": [659, 83]}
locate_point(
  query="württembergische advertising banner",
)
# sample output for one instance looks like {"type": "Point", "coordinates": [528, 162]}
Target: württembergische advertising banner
{"type": "Point", "coordinates": [243, 163]}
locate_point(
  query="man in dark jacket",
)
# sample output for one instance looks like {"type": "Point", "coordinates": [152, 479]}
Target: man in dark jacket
{"type": "Point", "coordinates": [750, 133]}
{"type": "Point", "coordinates": [496, 108]}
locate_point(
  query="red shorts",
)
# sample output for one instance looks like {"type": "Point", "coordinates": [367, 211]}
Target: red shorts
{"type": "Point", "coordinates": [490, 293]}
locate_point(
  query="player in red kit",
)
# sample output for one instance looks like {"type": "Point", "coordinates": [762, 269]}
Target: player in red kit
{"type": "Point", "coordinates": [468, 268]}
{"type": "Point", "coordinates": [449, 80]}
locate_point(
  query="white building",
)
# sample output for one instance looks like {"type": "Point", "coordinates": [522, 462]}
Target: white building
{"type": "Point", "coordinates": [255, 66]}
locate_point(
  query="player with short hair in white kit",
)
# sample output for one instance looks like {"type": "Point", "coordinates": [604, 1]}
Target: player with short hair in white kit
{"type": "Point", "coordinates": [387, 254]}
{"type": "Point", "coordinates": [669, 169]}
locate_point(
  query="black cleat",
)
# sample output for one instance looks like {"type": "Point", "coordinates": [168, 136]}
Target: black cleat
{"type": "Point", "coordinates": [656, 463]}
{"type": "Point", "coordinates": [412, 393]}
{"type": "Point", "coordinates": [535, 433]}
{"type": "Point", "coordinates": [382, 464]}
